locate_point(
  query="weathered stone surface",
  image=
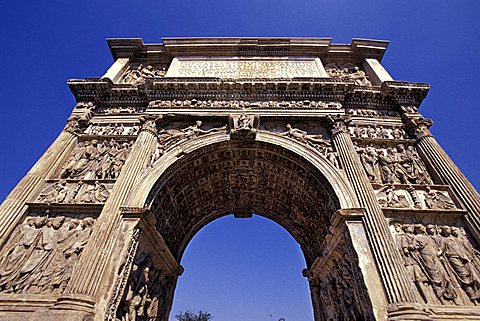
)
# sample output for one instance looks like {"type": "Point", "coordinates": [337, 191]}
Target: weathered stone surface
{"type": "Point", "coordinates": [316, 137]}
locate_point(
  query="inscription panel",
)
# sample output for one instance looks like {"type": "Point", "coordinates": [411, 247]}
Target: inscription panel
{"type": "Point", "coordinates": [233, 68]}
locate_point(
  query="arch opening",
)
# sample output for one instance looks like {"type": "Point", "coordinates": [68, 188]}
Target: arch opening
{"type": "Point", "coordinates": [243, 179]}
{"type": "Point", "coordinates": [246, 269]}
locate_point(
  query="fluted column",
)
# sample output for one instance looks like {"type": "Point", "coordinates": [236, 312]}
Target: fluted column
{"type": "Point", "coordinates": [445, 168]}
{"type": "Point", "coordinates": [14, 206]}
{"type": "Point", "coordinates": [95, 256]}
{"type": "Point", "coordinates": [398, 287]}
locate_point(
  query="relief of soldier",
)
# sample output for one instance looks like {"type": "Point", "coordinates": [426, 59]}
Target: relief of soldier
{"type": "Point", "coordinates": [441, 262]}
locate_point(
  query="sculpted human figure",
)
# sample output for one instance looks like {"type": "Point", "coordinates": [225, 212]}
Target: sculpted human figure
{"type": "Point", "coordinates": [383, 133]}
{"type": "Point", "coordinates": [459, 261]}
{"type": "Point", "coordinates": [397, 133]}
{"type": "Point", "coordinates": [428, 251]}
{"type": "Point", "coordinates": [79, 163]}
{"type": "Point", "coordinates": [371, 132]}
{"type": "Point", "coordinates": [419, 170]}
{"type": "Point", "coordinates": [57, 194]}
{"type": "Point", "coordinates": [472, 253]}
{"type": "Point", "coordinates": [190, 132]}
{"type": "Point", "coordinates": [30, 273]}
{"type": "Point", "coordinates": [133, 75]}
{"type": "Point", "coordinates": [411, 258]}
{"type": "Point", "coordinates": [97, 194]}
{"type": "Point", "coordinates": [301, 135]}
{"type": "Point", "coordinates": [437, 200]}
{"type": "Point", "coordinates": [359, 76]}
{"type": "Point", "coordinates": [245, 122]}
{"type": "Point", "coordinates": [403, 167]}
{"type": "Point", "coordinates": [332, 157]}
{"type": "Point", "coordinates": [159, 151]}
{"type": "Point", "coordinates": [358, 131]}
{"type": "Point", "coordinates": [386, 161]}
{"type": "Point", "coordinates": [369, 160]}
{"type": "Point", "coordinates": [118, 161]}
{"type": "Point", "coordinates": [394, 200]}
{"type": "Point", "coordinates": [20, 249]}
{"type": "Point", "coordinates": [119, 129]}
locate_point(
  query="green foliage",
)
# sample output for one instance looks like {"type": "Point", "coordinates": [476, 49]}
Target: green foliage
{"type": "Point", "coordinates": [190, 316]}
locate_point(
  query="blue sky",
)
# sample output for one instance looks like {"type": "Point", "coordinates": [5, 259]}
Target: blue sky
{"type": "Point", "coordinates": [45, 43]}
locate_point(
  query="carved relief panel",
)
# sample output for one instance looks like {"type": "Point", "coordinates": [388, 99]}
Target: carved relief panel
{"type": "Point", "coordinates": [310, 133]}
{"type": "Point", "coordinates": [144, 286]}
{"type": "Point", "coordinates": [96, 159]}
{"type": "Point", "coordinates": [434, 197]}
{"type": "Point", "coordinates": [348, 72]}
{"type": "Point", "coordinates": [75, 191]}
{"type": "Point", "coordinates": [116, 129]}
{"type": "Point", "coordinates": [393, 164]}
{"type": "Point", "coordinates": [337, 286]}
{"type": "Point", "coordinates": [42, 252]}
{"type": "Point", "coordinates": [137, 73]}
{"type": "Point", "coordinates": [440, 259]}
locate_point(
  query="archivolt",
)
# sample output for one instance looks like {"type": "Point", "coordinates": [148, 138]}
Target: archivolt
{"type": "Point", "coordinates": [273, 176]}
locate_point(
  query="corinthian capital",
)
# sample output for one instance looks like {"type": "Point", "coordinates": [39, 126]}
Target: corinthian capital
{"type": "Point", "coordinates": [418, 126]}
{"type": "Point", "coordinates": [338, 124]}
{"type": "Point", "coordinates": [150, 122]}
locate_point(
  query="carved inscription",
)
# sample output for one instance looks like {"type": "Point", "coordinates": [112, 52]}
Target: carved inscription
{"type": "Point", "coordinates": [245, 68]}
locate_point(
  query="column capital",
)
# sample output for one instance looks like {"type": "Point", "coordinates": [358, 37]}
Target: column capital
{"type": "Point", "coordinates": [338, 124]}
{"type": "Point", "coordinates": [418, 126]}
{"type": "Point", "coordinates": [81, 115]}
{"type": "Point", "coordinates": [150, 123]}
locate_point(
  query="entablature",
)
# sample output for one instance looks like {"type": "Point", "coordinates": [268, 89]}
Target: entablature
{"type": "Point", "coordinates": [197, 93]}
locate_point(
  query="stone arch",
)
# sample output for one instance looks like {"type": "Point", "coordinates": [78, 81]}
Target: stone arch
{"type": "Point", "coordinates": [273, 176]}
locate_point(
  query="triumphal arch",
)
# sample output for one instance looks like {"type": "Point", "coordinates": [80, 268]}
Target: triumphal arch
{"type": "Point", "coordinates": [315, 136]}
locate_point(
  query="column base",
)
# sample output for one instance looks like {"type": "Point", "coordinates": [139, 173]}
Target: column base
{"type": "Point", "coordinates": [407, 312]}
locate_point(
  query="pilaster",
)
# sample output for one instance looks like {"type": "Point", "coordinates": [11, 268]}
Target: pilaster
{"type": "Point", "coordinates": [91, 266]}
{"type": "Point", "coordinates": [14, 206]}
{"type": "Point", "coordinates": [400, 297]}
{"type": "Point", "coordinates": [445, 168]}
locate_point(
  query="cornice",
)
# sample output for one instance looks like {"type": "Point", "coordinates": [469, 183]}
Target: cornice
{"type": "Point", "coordinates": [323, 48]}
{"type": "Point", "coordinates": [103, 92]}
{"type": "Point", "coordinates": [406, 93]}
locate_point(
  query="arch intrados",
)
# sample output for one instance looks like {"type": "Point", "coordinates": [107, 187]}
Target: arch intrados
{"type": "Point", "coordinates": [155, 174]}
{"type": "Point", "coordinates": [215, 216]}
{"type": "Point", "coordinates": [170, 166]}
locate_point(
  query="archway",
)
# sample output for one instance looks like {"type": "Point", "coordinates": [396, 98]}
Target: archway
{"type": "Point", "coordinates": [243, 179]}
{"type": "Point", "coordinates": [274, 177]}
{"type": "Point", "coordinates": [244, 269]}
